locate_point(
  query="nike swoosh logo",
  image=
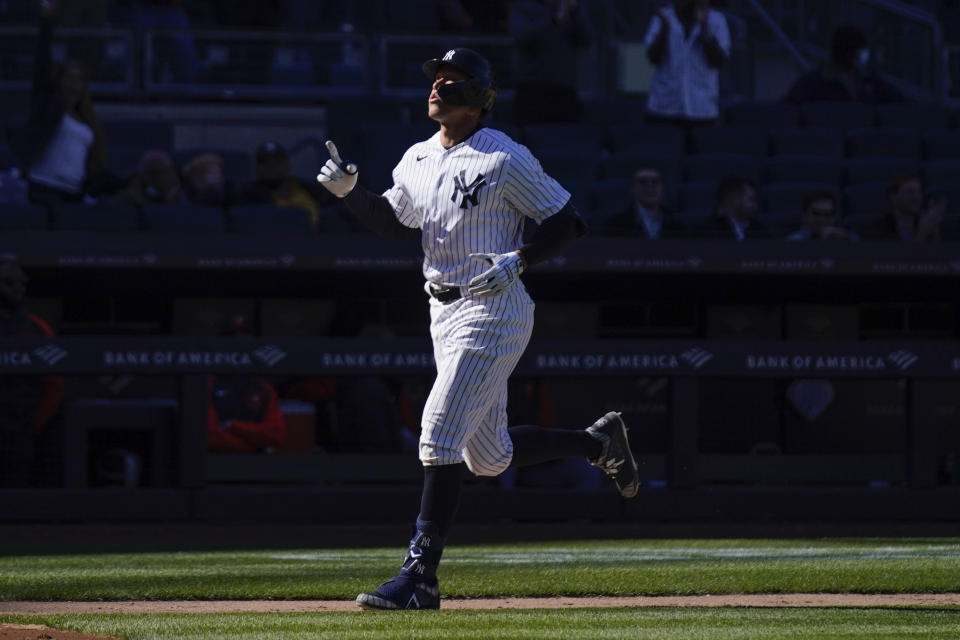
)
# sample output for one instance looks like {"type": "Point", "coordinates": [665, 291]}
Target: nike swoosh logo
{"type": "Point", "coordinates": [419, 158]}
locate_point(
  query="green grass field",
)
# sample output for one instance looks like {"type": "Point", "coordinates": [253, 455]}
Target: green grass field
{"type": "Point", "coordinates": [610, 568]}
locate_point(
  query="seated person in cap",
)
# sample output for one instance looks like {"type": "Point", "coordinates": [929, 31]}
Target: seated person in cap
{"type": "Point", "coordinates": [821, 219]}
{"type": "Point", "coordinates": [157, 181]}
{"type": "Point", "coordinates": [243, 413]}
{"type": "Point", "coordinates": [646, 215]}
{"type": "Point", "coordinates": [205, 182]}
{"type": "Point", "coordinates": [735, 210]}
{"type": "Point", "coordinates": [274, 184]}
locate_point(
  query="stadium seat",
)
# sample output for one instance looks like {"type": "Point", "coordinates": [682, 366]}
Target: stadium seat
{"type": "Point", "coordinates": [826, 142]}
{"type": "Point", "coordinates": [237, 164]}
{"type": "Point", "coordinates": [788, 196]}
{"type": "Point", "coordinates": [382, 144]}
{"type": "Point", "coordinates": [622, 164]}
{"type": "Point", "coordinates": [843, 115]}
{"type": "Point", "coordinates": [140, 134]}
{"type": "Point", "coordinates": [23, 217]}
{"type": "Point", "coordinates": [866, 199]}
{"type": "Point", "coordinates": [942, 172]}
{"type": "Point", "coordinates": [713, 166]}
{"type": "Point", "coordinates": [742, 139]}
{"type": "Point", "coordinates": [920, 116]}
{"type": "Point", "coordinates": [7, 158]}
{"type": "Point", "coordinates": [781, 223]}
{"type": "Point", "coordinates": [188, 217]}
{"type": "Point", "coordinates": [569, 164]}
{"type": "Point", "coordinates": [610, 196]}
{"type": "Point", "coordinates": [877, 168]}
{"type": "Point", "coordinates": [901, 143]}
{"type": "Point", "coordinates": [99, 217]}
{"type": "Point", "coordinates": [267, 217]}
{"type": "Point", "coordinates": [790, 168]}
{"type": "Point", "coordinates": [697, 196]}
{"type": "Point", "coordinates": [549, 136]}
{"type": "Point", "coordinates": [123, 160]}
{"type": "Point", "coordinates": [940, 144]}
{"type": "Point", "coordinates": [645, 137]}
{"type": "Point", "coordinates": [769, 115]}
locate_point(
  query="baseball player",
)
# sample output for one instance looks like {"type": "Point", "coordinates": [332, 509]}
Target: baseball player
{"type": "Point", "coordinates": [466, 192]}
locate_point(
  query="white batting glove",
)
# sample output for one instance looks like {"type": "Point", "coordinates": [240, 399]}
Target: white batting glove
{"type": "Point", "coordinates": [504, 270]}
{"type": "Point", "coordinates": [338, 178]}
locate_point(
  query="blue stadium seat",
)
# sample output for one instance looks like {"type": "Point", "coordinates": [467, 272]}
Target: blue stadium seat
{"type": "Point", "coordinates": [7, 158]}
{"type": "Point", "coordinates": [23, 217]}
{"type": "Point", "coordinates": [268, 218]}
{"type": "Point", "coordinates": [645, 137]}
{"type": "Point", "coordinates": [568, 164]}
{"type": "Point", "coordinates": [141, 134]}
{"type": "Point", "coordinates": [98, 217]}
{"type": "Point", "coordinates": [742, 139]}
{"type": "Point", "coordinates": [941, 144]}
{"type": "Point", "coordinates": [942, 172]}
{"type": "Point", "coordinates": [843, 115]}
{"type": "Point", "coordinates": [788, 168]}
{"type": "Point", "coordinates": [902, 143]}
{"type": "Point", "coordinates": [237, 164]}
{"type": "Point", "coordinates": [187, 217]}
{"type": "Point", "coordinates": [867, 199]}
{"type": "Point", "coordinates": [788, 196]}
{"type": "Point", "coordinates": [781, 223]}
{"type": "Point", "coordinates": [827, 142]}
{"type": "Point", "coordinates": [769, 115]}
{"type": "Point", "coordinates": [713, 166]}
{"type": "Point", "coordinates": [123, 160]}
{"type": "Point", "coordinates": [381, 145]}
{"type": "Point", "coordinates": [697, 196]}
{"type": "Point", "coordinates": [877, 168]}
{"type": "Point", "coordinates": [549, 136]}
{"type": "Point", "coordinates": [622, 164]}
{"type": "Point", "coordinates": [921, 116]}
{"type": "Point", "coordinates": [610, 195]}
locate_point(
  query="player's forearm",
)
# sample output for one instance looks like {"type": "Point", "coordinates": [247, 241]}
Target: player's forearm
{"type": "Point", "coordinates": [375, 212]}
{"type": "Point", "coordinates": [553, 235]}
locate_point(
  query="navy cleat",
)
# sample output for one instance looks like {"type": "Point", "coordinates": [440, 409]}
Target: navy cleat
{"type": "Point", "coordinates": [615, 459]}
{"type": "Point", "coordinates": [402, 592]}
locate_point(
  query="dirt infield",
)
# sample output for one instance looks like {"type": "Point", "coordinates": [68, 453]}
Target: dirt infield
{"type": "Point", "coordinates": [37, 632]}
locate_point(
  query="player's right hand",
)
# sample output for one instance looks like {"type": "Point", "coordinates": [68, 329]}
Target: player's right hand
{"type": "Point", "coordinates": [338, 178]}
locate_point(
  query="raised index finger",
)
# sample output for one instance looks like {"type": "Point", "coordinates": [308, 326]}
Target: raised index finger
{"type": "Point", "coordinates": [334, 154]}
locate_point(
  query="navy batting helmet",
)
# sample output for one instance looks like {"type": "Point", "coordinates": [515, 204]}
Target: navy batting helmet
{"type": "Point", "coordinates": [476, 91]}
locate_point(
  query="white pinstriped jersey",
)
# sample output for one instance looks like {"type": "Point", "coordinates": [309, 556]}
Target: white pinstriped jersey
{"type": "Point", "coordinates": [470, 198]}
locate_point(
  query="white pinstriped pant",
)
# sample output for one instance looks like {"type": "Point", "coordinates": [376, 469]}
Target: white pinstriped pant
{"type": "Point", "coordinates": [477, 342]}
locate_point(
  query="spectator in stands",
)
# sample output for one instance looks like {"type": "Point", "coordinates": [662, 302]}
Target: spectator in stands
{"type": "Point", "coordinates": [687, 43]}
{"type": "Point", "coordinates": [205, 182]}
{"type": "Point", "coordinates": [28, 402]}
{"type": "Point", "coordinates": [646, 215]}
{"type": "Point", "coordinates": [424, 16]}
{"type": "Point", "coordinates": [62, 144]}
{"type": "Point", "coordinates": [735, 210]}
{"type": "Point", "coordinates": [846, 76]}
{"type": "Point", "coordinates": [821, 219]}
{"type": "Point", "coordinates": [909, 217]}
{"type": "Point", "coordinates": [549, 37]}
{"type": "Point", "coordinates": [157, 181]}
{"type": "Point", "coordinates": [243, 413]}
{"type": "Point", "coordinates": [273, 183]}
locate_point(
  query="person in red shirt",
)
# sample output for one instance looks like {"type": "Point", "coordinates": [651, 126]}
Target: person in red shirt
{"type": "Point", "coordinates": [243, 413]}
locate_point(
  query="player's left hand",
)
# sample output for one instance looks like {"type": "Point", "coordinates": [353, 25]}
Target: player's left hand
{"type": "Point", "coordinates": [504, 270]}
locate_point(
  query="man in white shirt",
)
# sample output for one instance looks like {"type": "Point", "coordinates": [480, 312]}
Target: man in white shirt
{"type": "Point", "coordinates": [688, 43]}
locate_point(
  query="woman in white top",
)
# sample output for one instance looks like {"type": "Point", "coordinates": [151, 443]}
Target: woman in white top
{"type": "Point", "coordinates": [62, 142]}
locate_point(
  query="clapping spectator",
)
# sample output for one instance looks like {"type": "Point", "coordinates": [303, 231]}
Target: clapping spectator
{"type": "Point", "coordinates": [846, 76]}
{"type": "Point", "coordinates": [646, 215]}
{"type": "Point", "coordinates": [62, 144]}
{"type": "Point", "coordinates": [549, 36]}
{"type": "Point", "coordinates": [157, 181]}
{"type": "Point", "coordinates": [273, 183]}
{"type": "Point", "coordinates": [243, 413]}
{"type": "Point", "coordinates": [909, 217]}
{"type": "Point", "coordinates": [687, 42]}
{"type": "Point", "coordinates": [821, 219]}
{"type": "Point", "coordinates": [736, 208]}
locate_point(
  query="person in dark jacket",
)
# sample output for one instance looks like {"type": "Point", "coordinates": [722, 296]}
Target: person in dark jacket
{"type": "Point", "coordinates": [645, 216]}
{"type": "Point", "coordinates": [62, 146]}
{"type": "Point", "coordinates": [735, 212]}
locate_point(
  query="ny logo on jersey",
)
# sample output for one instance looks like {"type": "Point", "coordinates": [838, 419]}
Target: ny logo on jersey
{"type": "Point", "coordinates": [469, 193]}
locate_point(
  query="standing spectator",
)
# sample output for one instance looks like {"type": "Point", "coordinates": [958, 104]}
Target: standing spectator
{"type": "Point", "coordinates": [846, 76]}
{"type": "Point", "coordinates": [908, 217]}
{"type": "Point", "coordinates": [646, 215]}
{"type": "Point", "coordinates": [157, 181]}
{"type": "Point", "coordinates": [687, 43]}
{"type": "Point", "coordinates": [205, 182]}
{"type": "Point", "coordinates": [821, 219]}
{"type": "Point", "coordinates": [243, 413]}
{"type": "Point", "coordinates": [273, 183]}
{"type": "Point", "coordinates": [550, 35]}
{"type": "Point", "coordinates": [736, 210]}
{"type": "Point", "coordinates": [28, 402]}
{"type": "Point", "coordinates": [177, 48]}
{"type": "Point", "coordinates": [62, 144]}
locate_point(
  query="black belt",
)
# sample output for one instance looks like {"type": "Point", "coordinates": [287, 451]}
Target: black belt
{"type": "Point", "coordinates": [445, 295]}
